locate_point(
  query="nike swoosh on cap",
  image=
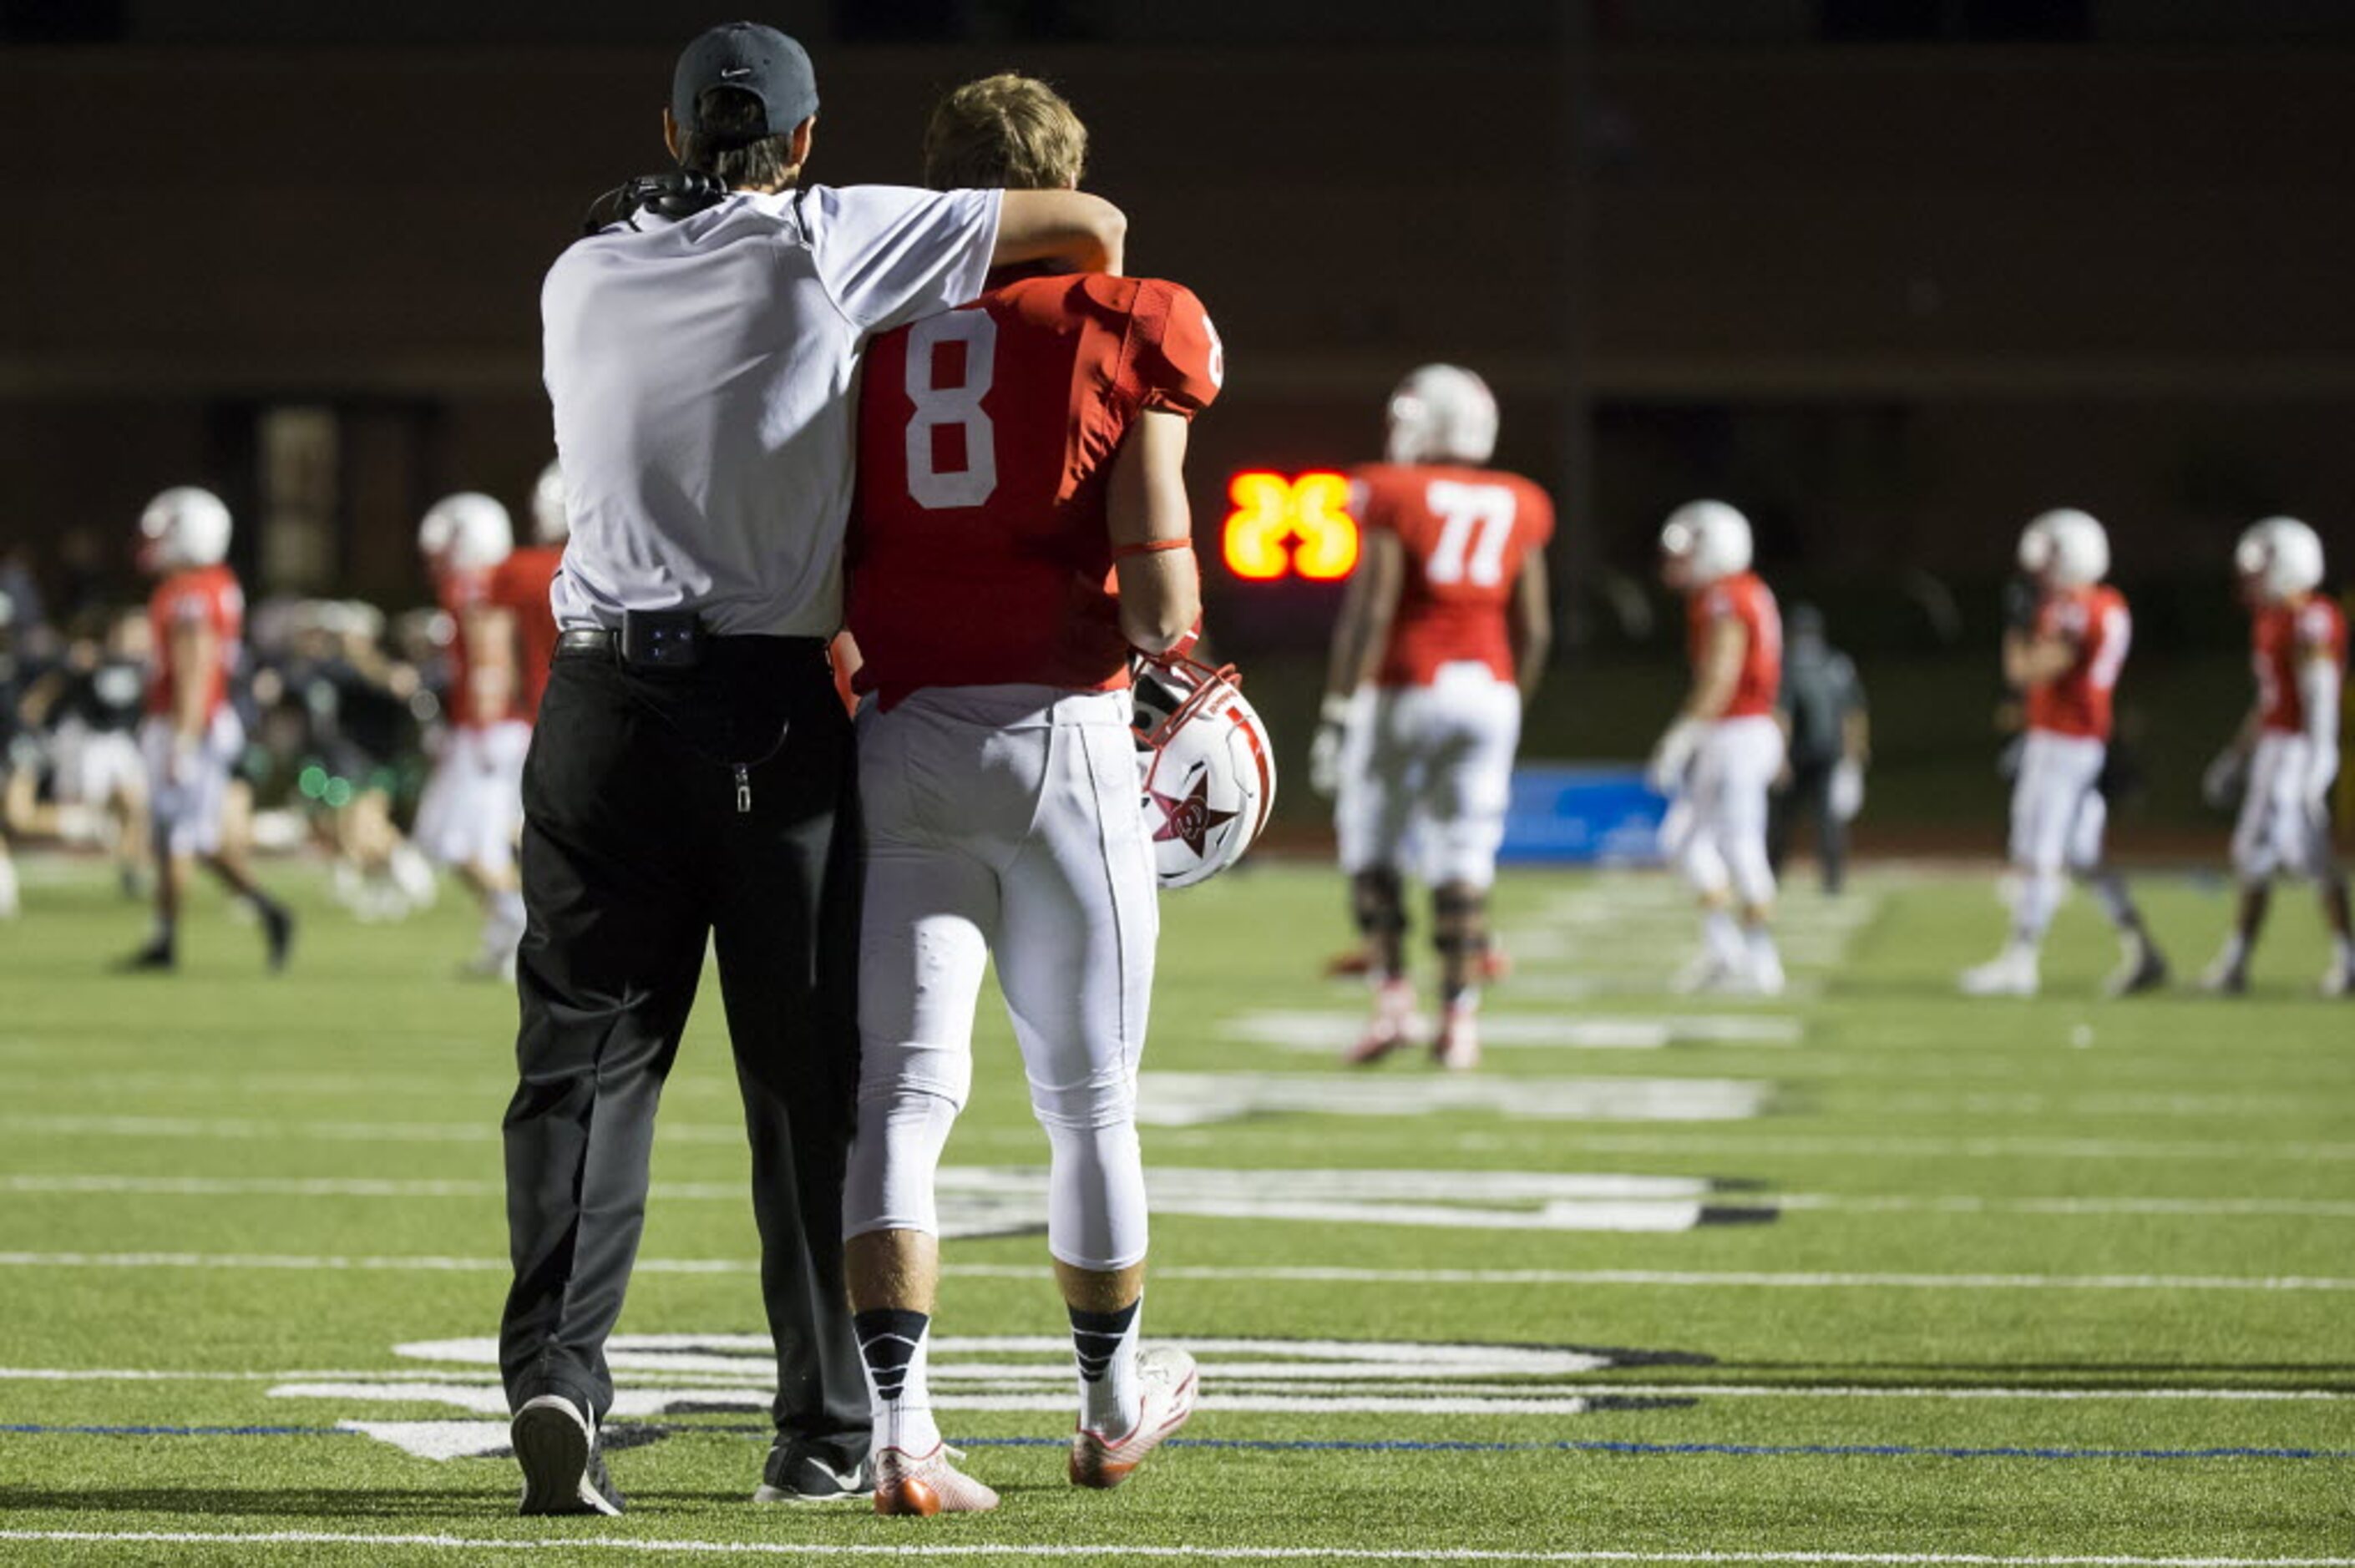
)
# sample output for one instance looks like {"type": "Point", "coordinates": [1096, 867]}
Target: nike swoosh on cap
{"type": "Point", "coordinates": [730, 72]}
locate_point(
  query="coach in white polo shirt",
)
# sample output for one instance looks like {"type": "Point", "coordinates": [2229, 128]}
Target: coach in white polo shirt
{"type": "Point", "coordinates": [691, 776]}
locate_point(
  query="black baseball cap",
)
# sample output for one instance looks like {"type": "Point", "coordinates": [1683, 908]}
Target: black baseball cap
{"type": "Point", "coordinates": [752, 59]}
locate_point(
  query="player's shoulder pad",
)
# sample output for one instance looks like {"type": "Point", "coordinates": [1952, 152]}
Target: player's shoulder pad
{"type": "Point", "coordinates": [1178, 360]}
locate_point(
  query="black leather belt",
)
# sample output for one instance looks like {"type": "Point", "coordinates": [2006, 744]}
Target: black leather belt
{"type": "Point", "coordinates": [576, 642]}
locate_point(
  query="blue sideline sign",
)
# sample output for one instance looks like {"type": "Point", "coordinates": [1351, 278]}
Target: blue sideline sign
{"type": "Point", "coordinates": [1581, 814]}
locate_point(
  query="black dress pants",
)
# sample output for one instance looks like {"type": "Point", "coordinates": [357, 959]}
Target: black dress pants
{"type": "Point", "coordinates": [1809, 793]}
{"type": "Point", "coordinates": [661, 810]}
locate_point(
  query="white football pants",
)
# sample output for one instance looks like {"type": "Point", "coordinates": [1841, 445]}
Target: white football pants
{"type": "Point", "coordinates": [2057, 817]}
{"type": "Point", "coordinates": [2276, 834]}
{"type": "Point", "coordinates": [1715, 831]}
{"type": "Point", "coordinates": [186, 812]}
{"type": "Point", "coordinates": [1005, 820]}
{"type": "Point", "coordinates": [1435, 762]}
{"type": "Point", "coordinates": [471, 807]}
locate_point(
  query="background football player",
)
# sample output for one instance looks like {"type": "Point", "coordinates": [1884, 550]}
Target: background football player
{"type": "Point", "coordinates": [2066, 661]}
{"type": "Point", "coordinates": [1018, 458]}
{"type": "Point", "coordinates": [471, 807]}
{"type": "Point", "coordinates": [2287, 749]}
{"type": "Point", "coordinates": [1722, 754]}
{"type": "Point", "coordinates": [521, 586]}
{"type": "Point", "coordinates": [1442, 639]}
{"type": "Point", "coordinates": [191, 737]}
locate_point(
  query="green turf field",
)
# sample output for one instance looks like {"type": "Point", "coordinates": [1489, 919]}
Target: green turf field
{"type": "Point", "coordinates": [1869, 1274]}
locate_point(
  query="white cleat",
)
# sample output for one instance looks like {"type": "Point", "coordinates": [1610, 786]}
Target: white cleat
{"type": "Point", "coordinates": [1458, 1049]}
{"type": "Point", "coordinates": [1392, 1025]}
{"type": "Point", "coordinates": [1704, 973]}
{"type": "Point", "coordinates": [2338, 979]}
{"type": "Point", "coordinates": [907, 1485]}
{"type": "Point", "coordinates": [2013, 973]}
{"type": "Point", "coordinates": [1170, 1383]}
{"type": "Point", "coordinates": [1767, 974]}
{"type": "Point", "coordinates": [2225, 977]}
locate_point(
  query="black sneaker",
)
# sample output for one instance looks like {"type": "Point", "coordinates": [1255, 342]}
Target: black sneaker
{"type": "Point", "coordinates": [795, 1475]}
{"type": "Point", "coordinates": [2144, 969]}
{"type": "Point", "coordinates": [157, 957]}
{"type": "Point", "coordinates": [278, 930]}
{"type": "Point", "coordinates": [563, 1466]}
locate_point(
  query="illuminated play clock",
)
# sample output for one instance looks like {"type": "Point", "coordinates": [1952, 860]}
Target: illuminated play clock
{"type": "Point", "coordinates": [1297, 526]}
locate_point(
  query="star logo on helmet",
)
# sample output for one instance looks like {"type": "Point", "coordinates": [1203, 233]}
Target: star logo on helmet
{"type": "Point", "coordinates": [1189, 822]}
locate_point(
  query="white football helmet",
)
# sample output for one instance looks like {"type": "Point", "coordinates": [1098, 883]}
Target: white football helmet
{"type": "Point", "coordinates": [184, 527]}
{"type": "Point", "coordinates": [2035, 552]}
{"type": "Point", "coordinates": [468, 532]}
{"type": "Point", "coordinates": [1442, 413]}
{"type": "Point", "coordinates": [2076, 550]}
{"type": "Point", "coordinates": [2282, 557]}
{"type": "Point", "coordinates": [549, 524]}
{"type": "Point", "coordinates": [1709, 537]}
{"type": "Point", "coordinates": [1210, 769]}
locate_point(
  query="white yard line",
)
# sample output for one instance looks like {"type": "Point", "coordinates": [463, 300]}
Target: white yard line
{"type": "Point", "coordinates": [1126, 1551]}
{"type": "Point", "coordinates": [1668, 1278]}
{"type": "Point", "coordinates": [646, 1377]}
{"type": "Point", "coordinates": [1863, 1204]}
{"type": "Point", "coordinates": [1768, 1146]}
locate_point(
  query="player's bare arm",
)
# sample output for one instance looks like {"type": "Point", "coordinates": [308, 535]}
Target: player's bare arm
{"type": "Point", "coordinates": [1720, 670]}
{"type": "Point", "coordinates": [1365, 616]}
{"type": "Point", "coordinates": [194, 653]}
{"type": "Point", "coordinates": [491, 672]}
{"type": "Point", "coordinates": [1085, 230]}
{"type": "Point", "coordinates": [1530, 621]}
{"type": "Point", "coordinates": [1152, 532]}
{"type": "Point", "coordinates": [2034, 661]}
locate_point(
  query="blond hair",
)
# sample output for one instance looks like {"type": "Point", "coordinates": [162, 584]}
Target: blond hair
{"type": "Point", "coordinates": [1008, 132]}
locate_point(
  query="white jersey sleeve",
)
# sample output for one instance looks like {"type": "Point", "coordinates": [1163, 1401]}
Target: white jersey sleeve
{"type": "Point", "coordinates": [889, 255]}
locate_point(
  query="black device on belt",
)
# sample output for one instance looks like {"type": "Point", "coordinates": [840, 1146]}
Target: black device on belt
{"type": "Point", "coordinates": [649, 640]}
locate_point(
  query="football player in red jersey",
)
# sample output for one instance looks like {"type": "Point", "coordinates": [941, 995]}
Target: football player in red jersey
{"type": "Point", "coordinates": [1719, 758]}
{"type": "Point", "coordinates": [1441, 640]}
{"type": "Point", "coordinates": [1021, 525]}
{"type": "Point", "coordinates": [2067, 661]}
{"type": "Point", "coordinates": [191, 737]}
{"type": "Point", "coordinates": [471, 807]}
{"type": "Point", "coordinates": [2287, 750]}
{"type": "Point", "coordinates": [520, 586]}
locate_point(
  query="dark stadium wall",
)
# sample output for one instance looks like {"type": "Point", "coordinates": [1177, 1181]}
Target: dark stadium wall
{"type": "Point", "coordinates": [1892, 299]}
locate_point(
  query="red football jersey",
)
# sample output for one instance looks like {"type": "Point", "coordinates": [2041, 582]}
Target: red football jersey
{"type": "Point", "coordinates": [978, 555]}
{"type": "Point", "coordinates": [208, 596]}
{"type": "Point", "coordinates": [1744, 597]}
{"type": "Point", "coordinates": [2285, 637]}
{"type": "Point", "coordinates": [521, 585]}
{"type": "Point", "coordinates": [1465, 533]}
{"type": "Point", "coordinates": [459, 593]}
{"type": "Point", "coordinates": [2077, 701]}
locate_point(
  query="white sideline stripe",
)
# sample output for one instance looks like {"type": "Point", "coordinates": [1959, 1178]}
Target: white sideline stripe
{"type": "Point", "coordinates": [1695, 1280]}
{"type": "Point", "coordinates": [652, 1378]}
{"type": "Point", "coordinates": [1129, 1551]}
{"type": "Point", "coordinates": [1861, 1203]}
{"type": "Point", "coordinates": [1997, 1147]}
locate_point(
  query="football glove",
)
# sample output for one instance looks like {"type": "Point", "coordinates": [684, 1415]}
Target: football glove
{"type": "Point", "coordinates": [2020, 599]}
{"type": "Point", "coordinates": [1847, 793]}
{"type": "Point", "coordinates": [2222, 780]}
{"type": "Point", "coordinates": [1324, 749]}
{"type": "Point", "coordinates": [1672, 757]}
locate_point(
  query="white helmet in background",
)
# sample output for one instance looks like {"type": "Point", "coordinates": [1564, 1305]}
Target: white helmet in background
{"type": "Point", "coordinates": [2035, 552]}
{"type": "Point", "coordinates": [2078, 547]}
{"type": "Point", "coordinates": [1442, 413]}
{"type": "Point", "coordinates": [2281, 556]}
{"type": "Point", "coordinates": [185, 526]}
{"type": "Point", "coordinates": [468, 532]}
{"type": "Point", "coordinates": [1210, 780]}
{"type": "Point", "coordinates": [549, 524]}
{"type": "Point", "coordinates": [1709, 537]}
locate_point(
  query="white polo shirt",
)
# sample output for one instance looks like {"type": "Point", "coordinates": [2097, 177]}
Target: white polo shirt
{"type": "Point", "coordinates": [703, 373]}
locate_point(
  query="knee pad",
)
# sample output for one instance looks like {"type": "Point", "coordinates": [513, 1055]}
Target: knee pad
{"type": "Point", "coordinates": [1096, 1212]}
{"type": "Point", "coordinates": [1459, 920]}
{"type": "Point", "coordinates": [894, 1159]}
{"type": "Point", "coordinates": [1750, 874]}
{"type": "Point", "coordinates": [1378, 901]}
